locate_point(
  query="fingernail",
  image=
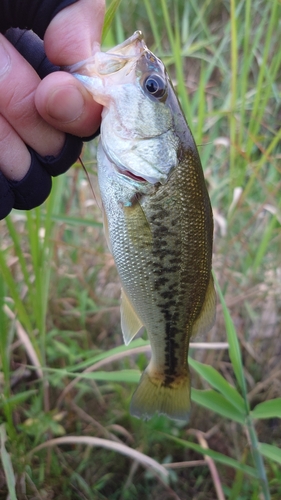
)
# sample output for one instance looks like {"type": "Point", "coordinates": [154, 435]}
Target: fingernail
{"type": "Point", "coordinates": [66, 104]}
{"type": "Point", "coordinates": [5, 60]}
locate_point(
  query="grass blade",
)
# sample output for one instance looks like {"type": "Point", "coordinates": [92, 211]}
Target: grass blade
{"type": "Point", "coordinates": [127, 376]}
{"type": "Point", "coordinates": [270, 451]}
{"type": "Point", "coordinates": [110, 445]}
{"type": "Point", "coordinates": [218, 457]}
{"type": "Point", "coordinates": [153, 24]}
{"type": "Point", "coordinates": [233, 98]}
{"type": "Point", "coordinates": [267, 409]}
{"type": "Point", "coordinates": [234, 349]}
{"type": "Point", "coordinates": [7, 464]}
{"type": "Point", "coordinates": [109, 16]}
{"type": "Point", "coordinates": [257, 457]}
{"type": "Point", "coordinates": [12, 285]}
{"type": "Point", "coordinates": [17, 399]}
{"type": "Point", "coordinates": [74, 221]}
{"type": "Point", "coordinates": [217, 403]}
{"type": "Point", "coordinates": [218, 382]}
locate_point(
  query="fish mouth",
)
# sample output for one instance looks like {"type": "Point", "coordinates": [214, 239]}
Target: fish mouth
{"type": "Point", "coordinates": [145, 179]}
{"type": "Point", "coordinates": [132, 176]}
{"type": "Point", "coordinates": [129, 175]}
{"type": "Point", "coordinates": [133, 46]}
{"type": "Point", "coordinates": [123, 171]}
{"type": "Point", "coordinates": [102, 64]}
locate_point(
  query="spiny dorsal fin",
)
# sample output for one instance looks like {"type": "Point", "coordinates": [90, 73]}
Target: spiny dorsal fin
{"type": "Point", "coordinates": [130, 322]}
{"type": "Point", "coordinates": [206, 318]}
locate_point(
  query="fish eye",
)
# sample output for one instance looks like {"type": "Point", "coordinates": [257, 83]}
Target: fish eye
{"type": "Point", "coordinates": [155, 85]}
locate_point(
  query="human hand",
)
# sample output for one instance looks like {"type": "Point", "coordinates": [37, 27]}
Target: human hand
{"type": "Point", "coordinates": [35, 114]}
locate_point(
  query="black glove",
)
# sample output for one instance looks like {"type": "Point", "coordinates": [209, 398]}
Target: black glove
{"type": "Point", "coordinates": [35, 187]}
{"type": "Point", "coordinates": [33, 15]}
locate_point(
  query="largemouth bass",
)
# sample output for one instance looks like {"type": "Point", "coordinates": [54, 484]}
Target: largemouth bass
{"type": "Point", "coordinates": [157, 217]}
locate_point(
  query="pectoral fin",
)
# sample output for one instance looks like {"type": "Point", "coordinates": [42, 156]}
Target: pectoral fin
{"type": "Point", "coordinates": [130, 322]}
{"type": "Point", "coordinates": [206, 318]}
{"type": "Point", "coordinates": [138, 227]}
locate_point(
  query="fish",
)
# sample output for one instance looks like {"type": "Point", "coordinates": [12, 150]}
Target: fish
{"type": "Point", "coordinates": [157, 218]}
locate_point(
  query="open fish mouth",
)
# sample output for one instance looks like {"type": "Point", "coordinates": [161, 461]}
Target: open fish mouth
{"type": "Point", "coordinates": [128, 47]}
{"type": "Point", "coordinates": [112, 61]}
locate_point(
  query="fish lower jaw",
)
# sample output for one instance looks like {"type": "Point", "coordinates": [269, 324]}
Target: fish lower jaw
{"type": "Point", "coordinates": [141, 179]}
{"type": "Point", "coordinates": [130, 175]}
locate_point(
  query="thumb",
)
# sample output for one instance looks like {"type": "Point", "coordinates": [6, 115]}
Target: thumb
{"type": "Point", "coordinates": [74, 32]}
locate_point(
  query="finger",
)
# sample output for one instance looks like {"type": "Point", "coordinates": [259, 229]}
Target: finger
{"type": "Point", "coordinates": [31, 47]}
{"type": "Point", "coordinates": [74, 32]}
{"type": "Point", "coordinates": [65, 104]}
{"type": "Point", "coordinates": [62, 101]}
{"type": "Point", "coordinates": [18, 83]}
{"type": "Point", "coordinates": [72, 35]}
{"type": "Point", "coordinates": [14, 155]}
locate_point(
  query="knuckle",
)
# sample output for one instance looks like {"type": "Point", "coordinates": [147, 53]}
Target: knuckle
{"type": "Point", "coordinates": [6, 133]}
{"type": "Point", "coordinates": [19, 104]}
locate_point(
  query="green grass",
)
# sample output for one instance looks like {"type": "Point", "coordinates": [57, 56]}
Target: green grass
{"type": "Point", "coordinates": [67, 378]}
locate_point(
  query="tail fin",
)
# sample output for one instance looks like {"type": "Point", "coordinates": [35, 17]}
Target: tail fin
{"type": "Point", "coordinates": [152, 396]}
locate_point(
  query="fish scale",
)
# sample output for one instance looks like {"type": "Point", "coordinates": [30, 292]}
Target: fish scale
{"type": "Point", "coordinates": [157, 218]}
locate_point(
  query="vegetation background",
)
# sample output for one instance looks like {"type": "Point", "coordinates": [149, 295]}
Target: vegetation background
{"type": "Point", "coordinates": [66, 377]}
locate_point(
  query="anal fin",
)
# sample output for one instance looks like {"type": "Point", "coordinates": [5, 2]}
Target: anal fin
{"type": "Point", "coordinates": [207, 316]}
